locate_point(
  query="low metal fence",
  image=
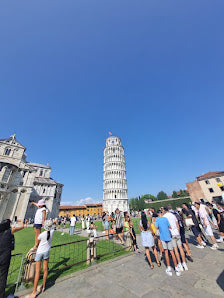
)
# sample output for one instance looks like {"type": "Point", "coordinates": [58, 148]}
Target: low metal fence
{"type": "Point", "coordinates": [66, 255]}
{"type": "Point", "coordinates": [15, 271]}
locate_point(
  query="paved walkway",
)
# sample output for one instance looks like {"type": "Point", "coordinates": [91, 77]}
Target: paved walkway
{"type": "Point", "coordinates": [131, 276]}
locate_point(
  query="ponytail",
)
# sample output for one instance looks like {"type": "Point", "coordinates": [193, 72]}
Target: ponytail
{"type": "Point", "coordinates": [144, 221]}
{"type": "Point", "coordinates": [48, 235]}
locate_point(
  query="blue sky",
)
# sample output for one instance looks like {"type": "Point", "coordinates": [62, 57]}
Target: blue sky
{"type": "Point", "coordinates": [152, 72]}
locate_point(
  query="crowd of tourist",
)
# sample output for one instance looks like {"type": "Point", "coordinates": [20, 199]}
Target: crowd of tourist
{"type": "Point", "coordinates": [162, 232]}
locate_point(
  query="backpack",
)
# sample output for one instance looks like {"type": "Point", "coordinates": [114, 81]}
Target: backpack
{"type": "Point", "coordinates": [179, 218]}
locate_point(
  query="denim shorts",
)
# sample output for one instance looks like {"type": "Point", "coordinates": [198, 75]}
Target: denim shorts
{"type": "Point", "coordinates": [106, 225]}
{"type": "Point", "coordinates": [38, 226]}
{"type": "Point", "coordinates": [42, 256]}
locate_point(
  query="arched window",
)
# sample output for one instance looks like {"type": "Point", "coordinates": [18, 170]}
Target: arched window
{"type": "Point", "coordinates": [7, 151]}
{"type": "Point", "coordinates": [6, 175]}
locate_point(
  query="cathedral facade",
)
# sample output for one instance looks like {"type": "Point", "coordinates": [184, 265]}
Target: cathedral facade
{"type": "Point", "coordinates": [22, 182]}
{"type": "Point", "coordinates": [115, 191]}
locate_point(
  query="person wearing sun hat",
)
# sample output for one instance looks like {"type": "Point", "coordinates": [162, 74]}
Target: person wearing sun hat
{"type": "Point", "coordinates": [43, 254]}
{"type": "Point", "coordinates": [39, 219]}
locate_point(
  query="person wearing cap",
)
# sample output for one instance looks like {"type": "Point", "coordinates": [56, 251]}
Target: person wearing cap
{"type": "Point", "coordinates": [39, 220]}
{"type": "Point", "coordinates": [42, 254]}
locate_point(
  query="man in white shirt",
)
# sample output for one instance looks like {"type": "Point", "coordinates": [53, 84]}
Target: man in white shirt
{"type": "Point", "coordinates": [72, 224]}
{"type": "Point", "coordinates": [204, 218]}
{"type": "Point", "coordinates": [176, 239]}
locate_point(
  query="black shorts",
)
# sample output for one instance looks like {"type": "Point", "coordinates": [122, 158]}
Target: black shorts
{"type": "Point", "coordinates": [195, 231]}
{"type": "Point", "coordinates": [221, 227]}
{"type": "Point", "coordinates": [119, 230]}
{"type": "Point", "coordinates": [182, 235]}
{"type": "Point", "coordinates": [38, 226]}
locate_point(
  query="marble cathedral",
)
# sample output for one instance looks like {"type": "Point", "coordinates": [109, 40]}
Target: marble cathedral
{"type": "Point", "coordinates": [22, 182]}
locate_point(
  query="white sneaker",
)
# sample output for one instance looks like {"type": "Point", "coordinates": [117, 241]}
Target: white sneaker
{"type": "Point", "coordinates": [168, 271]}
{"type": "Point", "coordinates": [178, 273]}
{"type": "Point", "coordinates": [199, 246]}
{"type": "Point", "coordinates": [214, 246]}
{"type": "Point", "coordinates": [219, 240]}
{"type": "Point", "coordinates": [180, 267]}
{"type": "Point", "coordinates": [203, 243]}
{"type": "Point", "coordinates": [185, 266]}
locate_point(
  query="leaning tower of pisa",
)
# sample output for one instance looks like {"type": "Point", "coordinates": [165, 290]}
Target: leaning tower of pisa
{"type": "Point", "coordinates": [115, 192]}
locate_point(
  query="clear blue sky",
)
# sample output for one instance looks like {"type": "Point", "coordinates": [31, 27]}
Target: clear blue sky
{"type": "Point", "coordinates": [150, 71]}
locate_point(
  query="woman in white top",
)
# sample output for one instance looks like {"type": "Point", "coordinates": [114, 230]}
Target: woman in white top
{"type": "Point", "coordinates": [39, 220]}
{"type": "Point", "coordinates": [42, 254]}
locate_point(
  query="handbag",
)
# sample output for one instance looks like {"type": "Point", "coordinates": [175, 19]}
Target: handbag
{"type": "Point", "coordinates": [189, 222]}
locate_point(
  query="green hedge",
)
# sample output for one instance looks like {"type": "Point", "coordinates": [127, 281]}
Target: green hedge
{"type": "Point", "coordinates": [174, 203]}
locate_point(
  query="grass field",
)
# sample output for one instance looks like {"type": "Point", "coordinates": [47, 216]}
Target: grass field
{"type": "Point", "coordinates": [61, 257]}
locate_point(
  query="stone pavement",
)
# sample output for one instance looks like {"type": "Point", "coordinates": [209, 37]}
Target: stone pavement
{"type": "Point", "coordinates": [131, 276]}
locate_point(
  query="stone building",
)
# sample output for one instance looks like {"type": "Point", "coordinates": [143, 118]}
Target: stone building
{"type": "Point", "coordinates": [115, 192]}
{"type": "Point", "coordinates": [22, 182]}
{"type": "Point", "coordinates": [84, 210]}
{"type": "Point", "coordinates": [208, 186]}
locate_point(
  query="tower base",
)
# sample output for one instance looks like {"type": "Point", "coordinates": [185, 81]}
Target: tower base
{"type": "Point", "coordinates": [111, 205]}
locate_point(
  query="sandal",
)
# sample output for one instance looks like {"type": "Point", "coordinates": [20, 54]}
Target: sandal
{"type": "Point", "coordinates": [159, 264]}
{"type": "Point", "coordinates": [152, 266]}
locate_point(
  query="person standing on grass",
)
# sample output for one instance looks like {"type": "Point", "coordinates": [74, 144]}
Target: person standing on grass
{"type": "Point", "coordinates": [87, 221]}
{"type": "Point", "coordinates": [119, 225]}
{"type": "Point", "coordinates": [83, 222]}
{"type": "Point", "coordinates": [176, 238]}
{"type": "Point", "coordinates": [42, 254]}
{"type": "Point", "coordinates": [205, 223]}
{"type": "Point", "coordinates": [72, 224]}
{"type": "Point", "coordinates": [6, 247]}
{"type": "Point", "coordinates": [147, 235]}
{"type": "Point", "coordinates": [163, 225]}
{"type": "Point", "coordinates": [39, 220]}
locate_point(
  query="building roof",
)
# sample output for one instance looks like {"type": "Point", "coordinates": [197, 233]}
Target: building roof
{"type": "Point", "coordinates": [71, 207]}
{"type": "Point", "coordinates": [210, 175]}
{"type": "Point", "coordinates": [5, 160]}
{"type": "Point", "coordinates": [92, 205]}
{"type": "Point", "coordinates": [43, 180]}
{"type": "Point", "coordinates": [80, 207]}
{"type": "Point", "coordinates": [33, 164]}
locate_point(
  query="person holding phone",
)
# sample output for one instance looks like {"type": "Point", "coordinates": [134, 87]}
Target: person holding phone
{"type": "Point", "coordinates": [6, 246]}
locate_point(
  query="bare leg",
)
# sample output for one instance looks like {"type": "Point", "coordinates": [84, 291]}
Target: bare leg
{"type": "Point", "coordinates": [186, 246]}
{"type": "Point", "coordinates": [107, 233]}
{"type": "Point", "coordinates": [177, 254]}
{"type": "Point", "coordinates": [174, 258]}
{"type": "Point", "coordinates": [199, 239]}
{"type": "Point", "coordinates": [160, 247]}
{"type": "Point", "coordinates": [167, 258]}
{"type": "Point", "coordinates": [156, 254]}
{"type": "Point", "coordinates": [45, 269]}
{"type": "Point", "coordinates": [148, 256]}
{"type": "Point", "coordinates": [120, 237]}
{"type": "Point", "coordinates": [182, 254]}
{"type": "Point", "coordinates": [213, 239]}
{"type": "Point", "coordinates": [36, 279]}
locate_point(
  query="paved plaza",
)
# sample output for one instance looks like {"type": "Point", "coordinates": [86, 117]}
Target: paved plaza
{"type": "Point", "coordinates": [131, 276]}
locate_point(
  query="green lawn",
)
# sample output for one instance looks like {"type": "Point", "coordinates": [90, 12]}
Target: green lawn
{"type": "Point", "coordinates": [98, 225]}
{"type": "Point", "coordinates": [61, 257]}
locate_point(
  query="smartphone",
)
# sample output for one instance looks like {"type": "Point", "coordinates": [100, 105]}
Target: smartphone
{"type": "Point", "coordinates": [15, 218]}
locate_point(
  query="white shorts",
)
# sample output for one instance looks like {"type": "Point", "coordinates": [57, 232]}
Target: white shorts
{"type": "Point", "coordinates": [208, 230]}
